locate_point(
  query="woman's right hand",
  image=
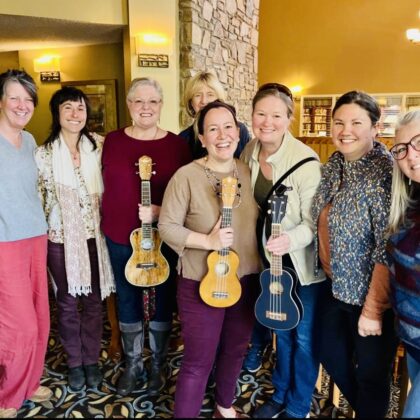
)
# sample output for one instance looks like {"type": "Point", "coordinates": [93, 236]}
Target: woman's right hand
{"type": "Point", "coordinates": [220, 238]}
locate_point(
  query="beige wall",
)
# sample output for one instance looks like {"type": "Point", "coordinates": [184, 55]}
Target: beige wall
{"type": "Point", "coordinates": [9, 60]}
{"type": "Point", "coordinates": [94, 62]}
{"type": "Point", "coordinates": [333, 46]}
{"type": "Point", "coordinates": [158, 16]}
{"type": "Point", "coordinates": [94, 11]}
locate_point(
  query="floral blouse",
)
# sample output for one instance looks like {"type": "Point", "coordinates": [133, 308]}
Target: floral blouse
{"type": "Point", "coordinates": [46, 188]}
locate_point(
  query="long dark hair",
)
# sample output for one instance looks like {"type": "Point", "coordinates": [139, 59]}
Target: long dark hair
{"type": "Point", "coordinates": [67, 93]}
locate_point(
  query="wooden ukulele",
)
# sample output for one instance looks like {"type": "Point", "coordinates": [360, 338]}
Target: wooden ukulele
{"type": "Point", "coordinates": [278, 307]}
{"type": "Point", "coordinates": [220, 287]}
{"type": "Point", "coordinates": [147, 267]}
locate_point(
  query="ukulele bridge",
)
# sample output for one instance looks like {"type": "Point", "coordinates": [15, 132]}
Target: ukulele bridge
{"type": "Point", "coordinates": [276, 316]}
{"type": "Point", "coordinates": [146, 266]}
{"type": "Point", "coordinates": [220, 295]}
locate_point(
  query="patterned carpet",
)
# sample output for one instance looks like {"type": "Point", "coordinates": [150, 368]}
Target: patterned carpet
{"type": "Point", "coordinates": [252, 389]}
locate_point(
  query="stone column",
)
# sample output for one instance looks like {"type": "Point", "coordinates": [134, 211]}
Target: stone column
{"type": "Point", "coordinates": [221, 36]}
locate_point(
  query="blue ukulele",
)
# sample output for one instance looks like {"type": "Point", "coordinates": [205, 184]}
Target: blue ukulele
{"type": "Point", "coordinates": [278, 307]}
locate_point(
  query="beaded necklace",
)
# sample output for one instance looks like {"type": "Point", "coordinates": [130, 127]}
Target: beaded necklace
{"type": "Point", "coordinates": [216, 183]}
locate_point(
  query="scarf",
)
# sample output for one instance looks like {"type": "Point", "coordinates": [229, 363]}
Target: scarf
{"type": "Point", "coordinates": [67, 187]}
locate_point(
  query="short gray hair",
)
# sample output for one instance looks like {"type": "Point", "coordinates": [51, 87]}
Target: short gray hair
{"type": "Point", "coordinates": [407, 118]}
{"type": "Point", "coordinates": [21, 77]}
{"type": "Point", "coordinates": [144, 81]}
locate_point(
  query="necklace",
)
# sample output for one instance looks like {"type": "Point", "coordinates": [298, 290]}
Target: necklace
{"type": "Point", "coordinates": [216, 183]}
{"type": "Point", "coordinates": [75, 155]}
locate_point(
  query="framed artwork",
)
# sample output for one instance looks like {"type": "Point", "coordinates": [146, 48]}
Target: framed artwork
{"type": "Point", "coordinates": [102, 96]}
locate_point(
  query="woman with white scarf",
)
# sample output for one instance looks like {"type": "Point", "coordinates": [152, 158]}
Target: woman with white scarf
{"type": "Point", "coordinates": [70, 185]}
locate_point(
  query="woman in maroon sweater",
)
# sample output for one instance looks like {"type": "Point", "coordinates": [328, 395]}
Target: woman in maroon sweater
{"type": "Point", "coordinates": [120, 216]}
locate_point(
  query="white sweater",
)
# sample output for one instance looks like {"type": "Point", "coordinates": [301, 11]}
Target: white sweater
{"type": "Point", "coordinates": [297, 222]}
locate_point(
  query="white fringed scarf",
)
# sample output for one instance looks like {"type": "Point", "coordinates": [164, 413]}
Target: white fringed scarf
{"type": "Point", "coordinates": [67, 188]}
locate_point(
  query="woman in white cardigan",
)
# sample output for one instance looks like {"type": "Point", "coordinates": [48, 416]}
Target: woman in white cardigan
{"type": "Point", "coordinates": [271, 154]}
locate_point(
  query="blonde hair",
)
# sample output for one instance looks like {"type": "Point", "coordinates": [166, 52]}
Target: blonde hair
{"type": "Point", "coordinates": [400, 192]}
{"type": "Point", "coordinates": [143, 81]}
{"type": "Point", "coordinates": [195, 83]}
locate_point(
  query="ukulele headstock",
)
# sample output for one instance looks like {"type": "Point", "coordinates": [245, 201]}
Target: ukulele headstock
{"type": "Point", "coordinates": [229, 186]}
{"type": "Point", "coordinates": [145, 167]}
{"type": "Point", "coordinates": [278, 206]}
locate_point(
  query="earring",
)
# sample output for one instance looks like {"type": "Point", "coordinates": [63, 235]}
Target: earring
{"type": "Point", "coordinates": [409, 182]}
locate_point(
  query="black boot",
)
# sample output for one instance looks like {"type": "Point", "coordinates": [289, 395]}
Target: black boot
{"type": "Point", "coordinates": [159, 342]}
{"type": "Point", "coordinates": [93, 374]}
{"type": "Point", "coordinates": [133, 373]}
{"type": "Point", "coordinates": [76, 378]}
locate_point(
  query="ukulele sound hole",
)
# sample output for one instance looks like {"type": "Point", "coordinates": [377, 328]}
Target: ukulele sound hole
{"type": "Point", "coordinates": [221, 269]}
{"type": "Point", "coordinates": [276, 288]}
{"type": "Point", "coordinates": [147, 244]}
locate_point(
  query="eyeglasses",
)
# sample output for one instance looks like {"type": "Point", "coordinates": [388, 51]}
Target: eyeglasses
{"type": "Point", "coordinates": [400, 150]}
{"type": "Point", "coordinates": [277, 86]}
{"type": "Point", "coordinates": [153, 103]}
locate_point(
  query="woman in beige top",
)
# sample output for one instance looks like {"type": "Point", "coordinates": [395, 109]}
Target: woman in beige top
{"type": "Point", "coordinates": [190, 223]}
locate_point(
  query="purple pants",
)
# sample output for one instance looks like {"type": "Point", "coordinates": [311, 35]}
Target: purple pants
{"type": "Point", "coordinates": [211, 335]}
{"type": "Point", "coordinates": [80, 332]}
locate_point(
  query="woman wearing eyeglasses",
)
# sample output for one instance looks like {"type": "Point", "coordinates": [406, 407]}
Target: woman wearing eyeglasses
{"type": "Point", "coordinates": [404, 248]}
{"type": "Point", "coordinates": [270, 155]}
{"type": "Point", "coordinates": [350, 210]}
{"type": "Point", "coordinates": [120, 216]}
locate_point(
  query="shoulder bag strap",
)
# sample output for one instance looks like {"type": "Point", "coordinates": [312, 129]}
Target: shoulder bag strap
{"type": "Point", "coordinates": [283, 177]}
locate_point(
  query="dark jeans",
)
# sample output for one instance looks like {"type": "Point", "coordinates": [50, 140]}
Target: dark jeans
{"type": "Point", "coordinates": [360, 366]}
{"type": "Point", "coordinates": [130, 297]}
{"type": "Point", "coordinates": [297, 362]}
{"type": "Point", "coordinates": [211, 335]}
{"type": "Point", "coordinates": [80, 332]}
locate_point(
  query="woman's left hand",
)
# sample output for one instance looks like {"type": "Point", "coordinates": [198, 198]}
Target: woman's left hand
{"type": "Point", "coordinates": [367, 326]}
{"type": "Point", "coordinates": [149, 214]}
{"type": "Point", "coordinates": [279, 245]}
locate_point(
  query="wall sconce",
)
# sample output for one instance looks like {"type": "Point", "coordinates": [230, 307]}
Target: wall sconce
{"type": "Point", "coordinates": [413, 35]}
{"type": "Point", "coordinates": [153, 50]}
{"type": "Point", "coordinates": [49, 68]}
{"type": "Point", "coordinates": [297, 91]}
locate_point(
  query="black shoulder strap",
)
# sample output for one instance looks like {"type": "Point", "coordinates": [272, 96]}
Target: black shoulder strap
{"type": "Point", "coordinates": [283, 177]}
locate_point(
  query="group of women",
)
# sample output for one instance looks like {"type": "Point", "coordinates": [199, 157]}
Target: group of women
{"type": "Point", "coordinates": [72, 203]}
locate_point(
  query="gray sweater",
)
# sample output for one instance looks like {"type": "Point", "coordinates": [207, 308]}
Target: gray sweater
{"type": "Point", "coordinates": [21, 214]}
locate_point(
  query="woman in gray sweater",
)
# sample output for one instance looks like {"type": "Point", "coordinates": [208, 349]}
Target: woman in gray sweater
{"type": "Point", "coordinates": [24, 309]}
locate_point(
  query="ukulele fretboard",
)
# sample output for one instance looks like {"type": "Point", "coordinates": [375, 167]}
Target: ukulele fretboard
{"type": "Point", "coordinates": [226, 222]}
{"type": "Point", "coordinates": [276, 266]}
{"type": "Point", "coordinates": [146, 201]}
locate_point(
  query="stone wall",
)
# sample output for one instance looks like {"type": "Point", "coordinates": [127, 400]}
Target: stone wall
{"type": "Point", "coordinates": [221, 36]}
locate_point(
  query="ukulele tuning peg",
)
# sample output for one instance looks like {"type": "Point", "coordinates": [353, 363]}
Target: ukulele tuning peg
{"type": "Point", "coordinates": [153, 172]}
{"type": "Point", "coordinates": [269, 211]}
{"type": "Point", "coordinates": [137, 173]}
{"type": "Point", "coordinates": [137, 164]}
{"type": "Point", "coordinates": [239, 185]}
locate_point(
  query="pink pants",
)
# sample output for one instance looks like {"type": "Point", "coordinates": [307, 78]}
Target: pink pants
{"type": "Point", "coordinates": [24, 318]}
